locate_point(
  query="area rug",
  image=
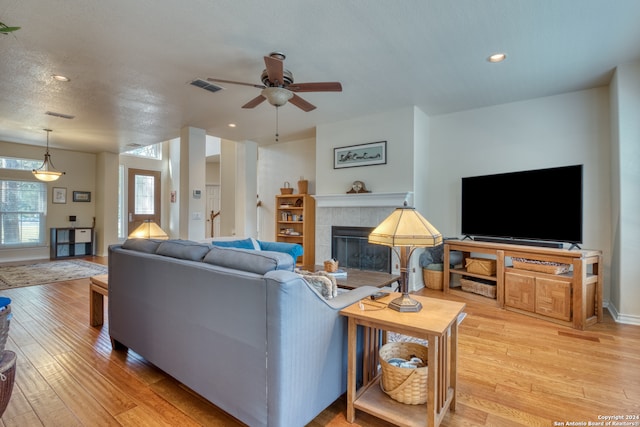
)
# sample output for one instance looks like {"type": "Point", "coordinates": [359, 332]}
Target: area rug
{"type": "Point", "coordinates": [47, 272]}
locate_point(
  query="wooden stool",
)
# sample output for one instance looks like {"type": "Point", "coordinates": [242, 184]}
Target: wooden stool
{"type": "Point", "coordinates": [98, 289]}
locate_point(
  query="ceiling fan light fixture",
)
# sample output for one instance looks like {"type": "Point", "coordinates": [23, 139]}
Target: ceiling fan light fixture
{"type": "Point", "coordinates": [47, 172]}
{"type": "Point", "coordinates": [277, 96]}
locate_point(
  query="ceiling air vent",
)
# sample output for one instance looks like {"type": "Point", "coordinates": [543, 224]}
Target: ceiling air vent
{"type": "Point", "coordinates": [203, 84]}
{"type": "Point", "coordinates": [63, 116]}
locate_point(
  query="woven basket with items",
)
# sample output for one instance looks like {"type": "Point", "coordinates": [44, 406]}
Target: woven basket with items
{"type": "Point", "coordinates": [433, 276]}
{"type": "Point", "coordinates": [541, 266]}
{"type": "Point", "coordinates": [287, 189]}
{"type": "Point", "coordinates": [7, 357]}
{"type": "Point", "coordinates": [404, 384]}
{"type": "Point", "coordinates": [5, 317]}
{"type": "Point", "coordinates": [331, 265]}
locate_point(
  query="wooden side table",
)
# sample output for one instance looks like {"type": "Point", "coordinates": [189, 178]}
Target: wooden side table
{"type": "Point", "coordinates": [98, 289]}
{"type": "Point", "coordinates": [437, 323]}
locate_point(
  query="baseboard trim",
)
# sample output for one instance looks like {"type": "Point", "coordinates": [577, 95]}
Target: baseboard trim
{"type": "Point", "coordinates": [627, 319]}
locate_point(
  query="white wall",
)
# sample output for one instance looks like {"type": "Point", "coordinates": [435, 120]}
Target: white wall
{"type": "Point", "coordinates": [246, 189]}
{"type": "Point", "coordinates": [395, 127]}
{"type": "Point", "coordinates": [192, 179]}
{"type": "Point", "coordinates": [625, 193]}
{"type": "Point", "coordinates": [228, 169]}
{"type": "Point", "coordinates": [173, 184]}
{"type": "Point", "coordinates": [213, 173]}
{"type": "Point", "coordinates": [106, 197]}
{"type": "Point", "coordinates": [421, 145]}
{"type": "Point", "coordinates": [554, 131]}
{"type": "Point", "coordinates": [286, 161]}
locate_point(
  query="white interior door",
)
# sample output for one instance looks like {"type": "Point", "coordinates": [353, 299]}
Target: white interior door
{"type": "Point", "coordinates": [213, 210]}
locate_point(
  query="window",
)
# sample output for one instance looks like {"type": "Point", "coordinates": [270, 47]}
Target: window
{"type": "Point", "coordinates": [23, 210]}
{"type": "Point", "coordinates": [144, 195]}
{"type": "Point", "coordinates": [150, 151]}
{"type": "Point", "coordinates": [19, 164]}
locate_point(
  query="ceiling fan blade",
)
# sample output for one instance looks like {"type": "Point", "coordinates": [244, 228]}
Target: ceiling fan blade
{"type": "Point", "coordinates": [275, 70]}
{"type": "Point", "coordinates": [254, 102]}
{"type": "Point", "coordinates": [235, 83]}
{"type": "Point", "coordinates": [316, 87]}
{"type": "Point", "coordinates": [301, 103]}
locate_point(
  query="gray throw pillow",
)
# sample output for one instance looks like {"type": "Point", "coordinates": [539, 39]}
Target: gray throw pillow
{"type": "Point", "coordinates": [183, 249]}
{"type": "Point", "coordinates": [258, 262]}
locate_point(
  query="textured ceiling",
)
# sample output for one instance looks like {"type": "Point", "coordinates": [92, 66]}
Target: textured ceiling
{"type": "Point", "coordinates": [130, 62]}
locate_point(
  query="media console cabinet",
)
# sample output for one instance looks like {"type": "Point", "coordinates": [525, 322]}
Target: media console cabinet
{"type": "Point", "coordinates": [572, 299]}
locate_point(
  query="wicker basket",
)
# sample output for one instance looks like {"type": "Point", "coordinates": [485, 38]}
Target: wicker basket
{"type": "Point", "coordinates": [433, 279]}
{"type": "Point", "coordinates": [483, 266]}
{"type": "Point", "coordinates": [331, 266]}
{"type": "Point", "coordinates": [5, 315]}
{"type": "Point", "coordinates": [478, 288]}
{"type": "Point", "coordinates": [540, 266]}
{"type": "Point", "coordinates": [7, 378]}
{"type": "Point", "coordinates": [404, 385]}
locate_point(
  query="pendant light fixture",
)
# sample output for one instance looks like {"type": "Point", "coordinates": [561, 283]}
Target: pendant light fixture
{"type": "Point", "coordinates": [47, 172]}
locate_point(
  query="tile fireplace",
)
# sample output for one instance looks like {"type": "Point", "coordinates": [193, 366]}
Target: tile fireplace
{"type": "Point", "coordinates": [365, 210]}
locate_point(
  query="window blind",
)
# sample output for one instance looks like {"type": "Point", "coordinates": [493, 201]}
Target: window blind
{"type": "Point", "coordinates": [23, 210]}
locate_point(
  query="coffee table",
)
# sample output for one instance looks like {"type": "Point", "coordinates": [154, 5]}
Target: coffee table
{"type": "Point", "coordinates": [437, 323]}
{"type": "Point", "coordinates": [357, 278]}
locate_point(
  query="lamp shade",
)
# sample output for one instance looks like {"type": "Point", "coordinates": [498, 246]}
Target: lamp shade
{"type": "Point", "coordinates": [148, 230]}
{"type": "Point", "coordinates": [405, 227]}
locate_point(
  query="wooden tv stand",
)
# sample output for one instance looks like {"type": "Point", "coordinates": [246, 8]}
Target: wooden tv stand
{"type": "Point", "coordinates": [572, 299]}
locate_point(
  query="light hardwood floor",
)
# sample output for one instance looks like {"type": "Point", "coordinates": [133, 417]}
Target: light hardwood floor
{"type": "Point", "coordinates": [513, 370]}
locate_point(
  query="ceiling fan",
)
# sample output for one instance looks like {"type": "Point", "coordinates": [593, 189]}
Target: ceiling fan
{"type": "Point", "coordinates": [278, 86]}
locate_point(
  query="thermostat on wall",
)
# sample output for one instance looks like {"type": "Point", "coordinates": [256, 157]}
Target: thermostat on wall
{"type": "Point", "coordinates": [196, 194]}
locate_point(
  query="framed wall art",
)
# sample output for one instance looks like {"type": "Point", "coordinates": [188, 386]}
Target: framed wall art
{"type": "Point", "coordinates": [373, 153]}
{"type": "Point", "coordinates": [59, 195]}
{"type": "Point", "coordinates": [81, 196]}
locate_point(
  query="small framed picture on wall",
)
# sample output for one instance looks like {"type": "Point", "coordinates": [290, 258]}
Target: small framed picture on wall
{"type": "Point", "coordinates": [81, 196]}
{"type": "Point", "coordinates": [59, 195]}
{"type": "Point", "coordinates": [374, 153]}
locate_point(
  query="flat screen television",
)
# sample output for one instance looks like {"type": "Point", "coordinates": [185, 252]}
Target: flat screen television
{"type": "Point", "coordinates": [534, 205]}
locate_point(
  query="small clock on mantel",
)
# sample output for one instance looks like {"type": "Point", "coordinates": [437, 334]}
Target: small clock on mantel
{"type": "Point", "coordinates": [358, 187]}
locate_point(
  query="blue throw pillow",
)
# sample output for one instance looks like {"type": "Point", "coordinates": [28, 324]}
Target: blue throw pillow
{"type": "Point", "coordinates": [240, 244]}
{"type": "Point", "coordinates": [293, 249]}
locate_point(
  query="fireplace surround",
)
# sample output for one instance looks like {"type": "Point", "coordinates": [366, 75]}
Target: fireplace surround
{"type": "Point", "coordinates": [355, 210]}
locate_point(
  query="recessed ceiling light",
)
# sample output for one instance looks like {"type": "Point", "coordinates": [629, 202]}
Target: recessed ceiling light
{"type": "Point", "coordinates": [497, 57]}
{"type": "Point", "coordinates": [60, 78]}
{"type": "Point", "coordinates": [231, 125]}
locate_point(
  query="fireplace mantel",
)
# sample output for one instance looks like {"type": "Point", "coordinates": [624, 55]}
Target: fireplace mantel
{"type": "Point", "coordinates": [363, 200]}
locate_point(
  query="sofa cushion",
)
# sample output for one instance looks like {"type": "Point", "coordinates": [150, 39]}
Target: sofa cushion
{"type": "Point", "coordinates": [148, 246]}
{"type": "Point", "coordinates": [258, 262]}
{"type": "Point", "coordinates": [183, 249]}
{"type": "Point", "coordinates": [248, 243]}
{"type": "Point", "coordinates": [293, 249]}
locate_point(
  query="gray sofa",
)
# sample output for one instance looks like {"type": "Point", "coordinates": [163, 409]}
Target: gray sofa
{"type": "Point", "coordinates": [234, 325]}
